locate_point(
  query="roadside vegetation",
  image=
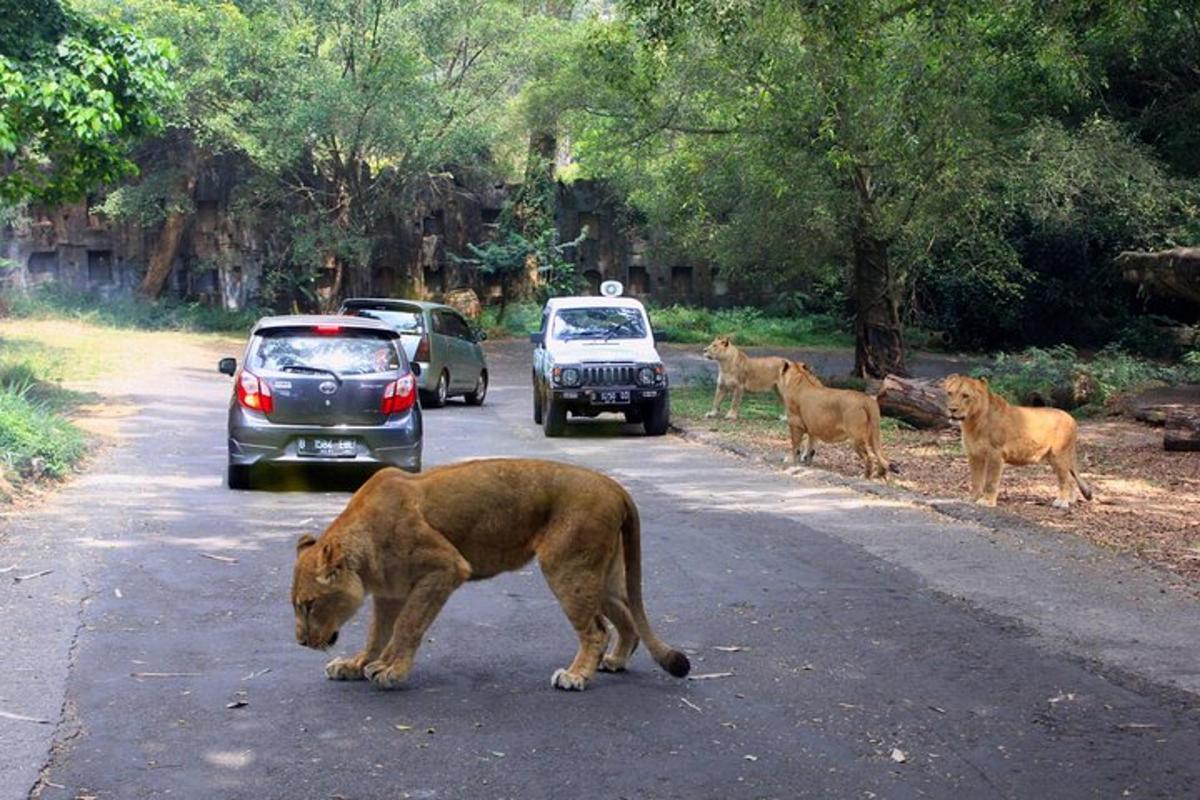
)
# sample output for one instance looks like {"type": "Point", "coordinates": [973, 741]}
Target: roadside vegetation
{"type": "Point", "coordinates": [56, 302]}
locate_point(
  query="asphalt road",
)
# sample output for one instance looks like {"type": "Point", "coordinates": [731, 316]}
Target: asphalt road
{"type": "Point", "coordinates": [853, 647]}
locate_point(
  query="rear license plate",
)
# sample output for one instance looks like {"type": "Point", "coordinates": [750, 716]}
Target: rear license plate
{"type": "Point", "coordinates": [612, 398]}
{"type": "Point", "coordinates": [327, 447]}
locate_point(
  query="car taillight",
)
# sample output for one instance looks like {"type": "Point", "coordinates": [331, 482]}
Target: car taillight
{"type": "Point", "coordinates": [399, 395]}
{"type": "Point", "coordinates": [254, 393]}
{"type": "Point", "coordinates": [422, 353]}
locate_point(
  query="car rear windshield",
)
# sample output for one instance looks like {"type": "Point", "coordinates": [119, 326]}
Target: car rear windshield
{"type": "Point", "coordinates": [347, 353]}
{"type": "Point", "coordinates": [599, 323]}
{"type": "Point", "coordinates": [403, 320]}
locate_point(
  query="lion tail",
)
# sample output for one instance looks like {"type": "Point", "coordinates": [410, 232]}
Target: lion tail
{"type": "Point", "coordinates": [1085, 488]}
{"type": "Point", "coordinates": [667, 657]}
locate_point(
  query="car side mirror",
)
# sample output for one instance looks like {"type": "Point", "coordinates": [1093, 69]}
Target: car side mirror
{"type": "Point", "coordinates": [537, 338]}
{"type": "Point", "coordinates": [227, 366]}
{"type": "Point", "coordinates": [415, 367]}
{"type": "Point", "coordinates": [481, 336]}
{"type": "Point", "coordinates": [661, 336]}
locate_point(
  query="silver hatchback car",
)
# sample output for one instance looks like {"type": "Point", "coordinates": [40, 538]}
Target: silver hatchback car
{"type": "Point", "coordinates": [439, 340]}
{"type": "Point", "coordinates": [322, 390]}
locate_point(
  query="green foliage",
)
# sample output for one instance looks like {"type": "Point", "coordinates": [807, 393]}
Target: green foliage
{"type": "Point", "coordinates": [127, 312]}
{"type": "Point", "coordinates": [1112, 370]}
{"type": "Point", "coordinates": [31, 430]}
{"type": "Point", "coordinates": [74, 94]}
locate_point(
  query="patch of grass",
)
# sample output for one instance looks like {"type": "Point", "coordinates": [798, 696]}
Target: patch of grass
{"type": "Point", "coordinates": [520, 320]}
{"type": "Point", "coordinates": [749, 326]}
{"type": "Point", "coordinates": [35, 439]}
{"type": "Point", "coordinates": [56, 302]}
{"type": "Point", "coordinates": [693, 400]}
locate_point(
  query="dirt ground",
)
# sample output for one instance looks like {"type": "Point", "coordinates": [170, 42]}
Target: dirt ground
{"type": "Point", "coordinates": [1147, 501]}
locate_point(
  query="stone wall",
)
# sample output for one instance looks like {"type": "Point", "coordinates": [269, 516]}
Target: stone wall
{"type": "Point", "coordinates": [224, 250]}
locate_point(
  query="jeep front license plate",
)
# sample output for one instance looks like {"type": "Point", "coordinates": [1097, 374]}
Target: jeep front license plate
{"type": "Point", "coordinates": [326, 447]}
{"type": "Point", "coordinates": [612, 398]}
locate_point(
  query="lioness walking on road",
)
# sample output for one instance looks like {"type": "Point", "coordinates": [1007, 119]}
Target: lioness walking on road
{"type": "Point", "coordinates": [995, 433]}
{"type": "Point", "coordinates": [411, 540]}
{"type": "Point", "coordinates": [739, 373]}
{"type": "Point", "coordinates": [831, 415]}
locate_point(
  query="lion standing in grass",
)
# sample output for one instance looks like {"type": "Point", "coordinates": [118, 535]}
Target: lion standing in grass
{"type": "Point", "coordinates": [738, 373]}
{"type": "Point", "coordinates": [995, 433]}
{"type": "Point", "coordinates": [411, 540]}
{"type": "Point", "coordinates": [815, 411]}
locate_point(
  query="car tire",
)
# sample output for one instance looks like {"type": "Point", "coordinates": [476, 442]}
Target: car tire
{"type": "Point", "coordinates": [237, 477]}
{"type": "Point", "coordinates": [554, 422]}
{"type": "Point", "coordinates": [437, 398]}
{"type": "Point", "coordinates": [476, 396]}
{"type": "Point", "coordinates": [537, 404]}
{"type": "Point", "coordinates": [633, 416]}
{"type": "Point", "coordinates": [656, 416]}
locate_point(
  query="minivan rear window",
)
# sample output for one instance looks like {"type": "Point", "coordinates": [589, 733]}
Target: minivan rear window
{"type": "Point", "coordinates": [352, 353]}
{"type": "Point", "coordinates": [401, 320]}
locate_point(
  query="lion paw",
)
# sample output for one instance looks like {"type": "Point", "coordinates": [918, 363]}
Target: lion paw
{"type": "Point", "coordinates": [612, 664]}
{"type": "Point", "coordinates": [989, 502]}
{"type": "Point", "coordinates": [731, 415]}
{"type": "Point", "coordinates": [344, 669]}
{"type": "Point", "coordinates": [386, 675]}
{"type": "Point", "coordinates": [569, 681]}
{"type": "Point", "coordinates": [710, 415]}
{"type": "Point", "coordinates": [1060, 503]}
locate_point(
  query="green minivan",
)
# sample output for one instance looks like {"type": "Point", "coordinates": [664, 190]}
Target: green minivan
{"type": "Point", "coordinates": [437, 337]}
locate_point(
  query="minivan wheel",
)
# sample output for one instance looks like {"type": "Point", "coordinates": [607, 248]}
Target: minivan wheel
{"type": "Point", "coordinates": [437, 398]}
{"type": "Point", "coordinates": [537, 403]}
{"type": "Point", "coordinates": [476, 396]}
{"type": "Point", "coordinates": [237, 477]}
{"type": "Point", "coordinates": [555, 421]}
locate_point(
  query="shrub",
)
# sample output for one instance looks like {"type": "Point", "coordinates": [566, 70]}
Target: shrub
{"type": "Point", "coordinates": [30, 430]}
{"type": "Point", "coordinates": [128, 312]}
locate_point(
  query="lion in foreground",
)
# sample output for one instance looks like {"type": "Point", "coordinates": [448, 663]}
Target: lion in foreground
{"type": "Point", "coordinates": [831, 415]}
{"type": "Point", "coordinates": [995, 433]}
{"type": "Point", "coordinates": [410, 540]}
{"type": "Point", "coordinates": [739, 373]}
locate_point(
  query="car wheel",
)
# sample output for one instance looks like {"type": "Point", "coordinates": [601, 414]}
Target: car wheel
{"type": "Point", "coordinates": [437, 398]}
{"type": "Point", "coordinates": [656, 417]}
{"type": "Point", "coordinates": [633, 416]}
{"type": "Point", "coordinates": [237, 477]}
{"type": "Point", "coordinates": [555, 418]}
{"type": "Point", "coordinates": [537, 404]}
{"type": "Point", "coordinates": [476, 396]}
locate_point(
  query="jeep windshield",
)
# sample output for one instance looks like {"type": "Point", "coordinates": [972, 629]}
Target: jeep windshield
{"type": "Point", "coordinates": [599, 324]}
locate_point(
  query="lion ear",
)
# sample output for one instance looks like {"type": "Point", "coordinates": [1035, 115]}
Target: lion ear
{"type": "Point", "coordinates": [802, 365]}
{"type": "Point", "coordinates": [724, 340]}
{"type": "Point", "coordinates": [983, 381]}
{"type": "Point", "coordinates": [306, 541]}
{"type": "Point", "coordinates": [786, 364]}
{"type": "Point", "coordinates": [330, 561]}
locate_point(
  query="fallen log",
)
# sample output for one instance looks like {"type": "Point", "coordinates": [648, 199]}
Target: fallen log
{"type": "Point", "coordinates": [1182, 430]}
{"type": "Point", "coordinates": [920, 403]}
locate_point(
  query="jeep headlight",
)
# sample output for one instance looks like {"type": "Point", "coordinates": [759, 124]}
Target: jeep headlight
{"type": "Point", "coordinates": [566, 376]}
{"type": "Point", "coordinates": [648, 376]}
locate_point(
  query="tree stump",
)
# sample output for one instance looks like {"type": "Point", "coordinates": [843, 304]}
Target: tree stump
{"type": "Point", "coordinates": [920, 403]}
{"type": "Point", "coordinates": [1182, 430]}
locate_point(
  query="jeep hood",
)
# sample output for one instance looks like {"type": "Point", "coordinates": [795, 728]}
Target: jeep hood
{"type": "Point", "coordinates": [616, 350]}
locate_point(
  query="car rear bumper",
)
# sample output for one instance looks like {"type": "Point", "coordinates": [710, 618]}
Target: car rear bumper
{"type": "Point", "coordinates": [255, 440]}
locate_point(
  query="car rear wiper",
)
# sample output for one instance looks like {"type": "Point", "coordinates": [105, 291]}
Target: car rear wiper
{"type": "Point", "coordinates": [313, 370]}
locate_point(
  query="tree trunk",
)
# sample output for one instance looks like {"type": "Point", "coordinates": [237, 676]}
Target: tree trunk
{"type": "Point", "coordinates": [876, 288]}
{"type": "Point", "coordinates": [878, 332]}
{"type": "Point", "coordinates": [920, 403]}
{"type": "Point", "coordinates": [162, 255]}
{"type": "Point", "coordinates": [1182, 431]}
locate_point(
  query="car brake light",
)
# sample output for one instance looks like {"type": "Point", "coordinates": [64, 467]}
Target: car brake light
{"type": "Point", "coordinates": [422, 353]}
{"type": "Point", "coordinates": [327, 330]}
{"type": "Point", "coordinates": [254, 393]}
{"type": "Point", "coordinates": [399, 395]}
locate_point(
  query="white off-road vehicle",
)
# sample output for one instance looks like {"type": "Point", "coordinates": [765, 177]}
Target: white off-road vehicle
{"type": "Point", "coordinates": [595, 355]}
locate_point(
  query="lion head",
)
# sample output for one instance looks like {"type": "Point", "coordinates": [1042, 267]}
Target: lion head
{"type": "Point", "coordinates": [797, 374]}
{"type": "Point", "coordinates": [718, 349]}
{"type": "Point", "coordinates": [965, 397]}
{"type": "Point", "coordinates": [326, 592]}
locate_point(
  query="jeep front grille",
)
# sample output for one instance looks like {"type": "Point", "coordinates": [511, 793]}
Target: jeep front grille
{"type": "Point", "coordinates": [609, 376]}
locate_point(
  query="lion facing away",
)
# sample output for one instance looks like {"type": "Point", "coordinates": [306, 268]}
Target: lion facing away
{"type": "Point", "coordinates": [738, 373]}
{"type": "Point", "coordinates": [831, 415]}
{"type": "Point", "coordinates": [995, 433]}
{"type": "Point", "coordinates": [410, 540]}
